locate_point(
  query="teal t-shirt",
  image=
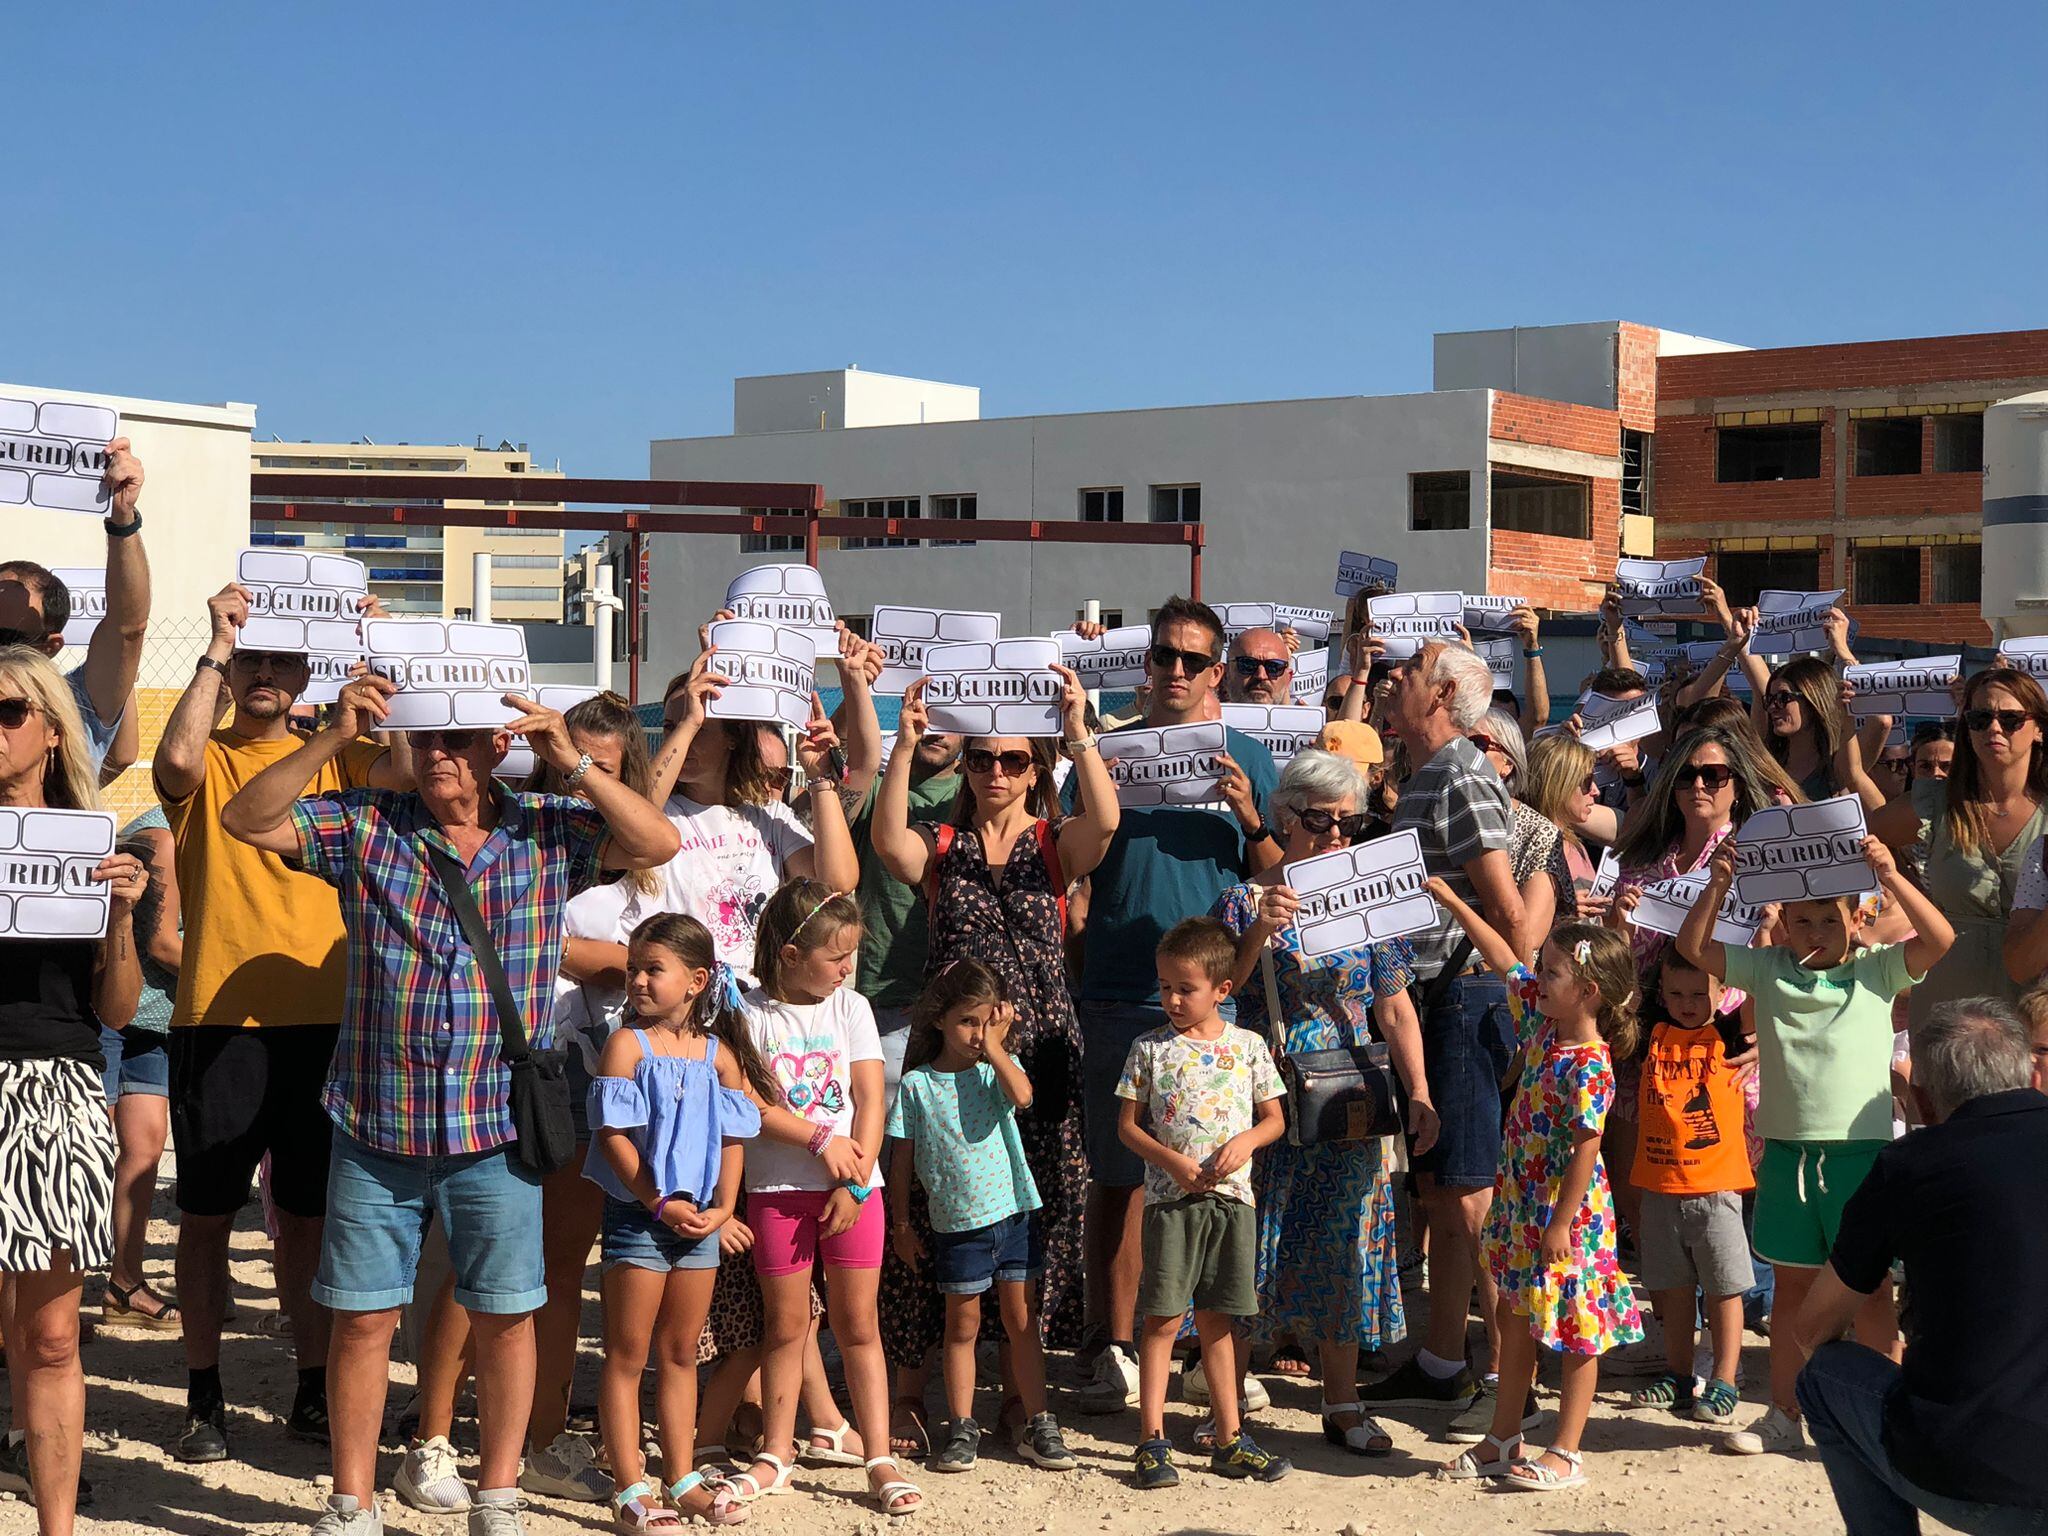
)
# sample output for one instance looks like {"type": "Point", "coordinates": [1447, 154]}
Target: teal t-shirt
{"type": "Point", "coordinates": [1824, 1042]}
{"type": "Point", "coordinates": [895, 922]}
{"type": "Point", "coordinates": [1165, 863]}
{"type": "Point", "coordinates": [962, 1129]}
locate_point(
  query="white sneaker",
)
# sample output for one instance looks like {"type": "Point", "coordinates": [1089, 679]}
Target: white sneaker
{"type": "Point", "coordinates": [502, 1514]}
{"type": "Point", "coordinates": [1194, 1386]}
{"type": "Point", "coordinates": [429, 1481]}
{"type": "Point", "coordinates": [567, 1469]}
{"type": "Point", "coordinates": [1776, 1431]}
{"type": "Point", "coordinates": [345, 1517]}
{"type": "Point", "coordinates": [1114, 1386]}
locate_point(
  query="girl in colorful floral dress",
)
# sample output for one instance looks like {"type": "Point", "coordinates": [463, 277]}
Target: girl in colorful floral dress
{"type": "Point", "coordinates": [1549, 1241]}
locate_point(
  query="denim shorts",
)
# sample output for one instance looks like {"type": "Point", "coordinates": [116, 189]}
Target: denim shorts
{"type": "Point", "coordinates": [967, 1263]}
{"type": "Point", "coordinates": [137, 1062]}
{"type": "Point", "coordinates": [1468, 1040]}
{"type": "Point", "coordinates": [1107, 1032]}
{"type": "Point", "coordinates": [632, 1236]}
{"type": "Point", "coordinates": [378, 1204]}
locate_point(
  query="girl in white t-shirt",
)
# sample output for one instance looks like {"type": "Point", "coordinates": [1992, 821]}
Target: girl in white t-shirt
{"type": "Point", "coordinates": [813, 1187]}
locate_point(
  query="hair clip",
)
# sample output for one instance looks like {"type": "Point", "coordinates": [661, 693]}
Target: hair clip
{"type": "Point", "coordinates": [1583, 951]}
{"type": "Point", "coordinates": [727, 980]}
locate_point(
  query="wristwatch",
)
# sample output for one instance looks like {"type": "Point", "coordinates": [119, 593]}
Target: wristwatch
{"type": "Point", "coordinates": [1073, 749]}
{"type": "Point", "coordinates": [206, 663]}
{"type": "Point", "coordinates": [575, 775]}
{"type": "Point", "coordinates": [1259, 834]}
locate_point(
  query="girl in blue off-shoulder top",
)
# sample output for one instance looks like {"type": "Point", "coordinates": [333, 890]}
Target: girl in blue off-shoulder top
{"type": "Point", "coordinates": [668, 1111]}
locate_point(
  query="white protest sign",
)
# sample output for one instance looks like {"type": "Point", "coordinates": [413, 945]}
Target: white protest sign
{"type": "Point", "coordinates": [1605, 876]}
{"type": "Point", "coordinates": [1653, 672]}
{"type": "Point", "coordinates": [1606, 722]}
{"type": "Point", "coordinates": [1166, 764]}
{"type": "Point", "coordinates": [790, 595]}
{"type": "Point", "coordinates": [53, 453]}
{"type": "Point", "coordinates": [450, 673]}
{"type": "Point", "coordinates": [2024, 653]}
{"type": "Point", "coordinates": [1662, 907]}
{"type": "Point", "coordinates": [1485, 611]}
{"type": "Point", "coordinates": [1790, 621]}
{"type": "Point", "coordinates": [1698, 654]}
{"type": "Point", "coordinates": [1282, 729]}
{"type": "Point", "coordinates": [1311, 677]}
{"type": "Point", "coordinates": [1114, 660]}
{"type": "Point", "coordinates": [1659, 586]}
{"type": "Point", "coordinates": [88, 588]}
{"type": "Point", "coordinates": [1369, 574]}
{"type": "Point", "coordinates": [773, 671]}
{"type": "Point", "coordinates": [1500, 661]}
{"type": "Point", "coordinates": [46, 862]}
{"type": "Point", "coordinates": [1312, 625]}
{"type": "Point", "coordinates": [519, 762]}
{"type": "Point", "coordinates": [994, 688]}
{"type": "Point", "coordinates": [1364, 894]}
{"type": "Point", "coordinates": [1917, 687]}
{"type": "Point", "coordinates": [1407, 621]}
{"type": "Point", "coordinates": [305, 604]}
{"type": "Point", "coordinates": [1803, 853]}
{"type": "Point", "coordinates": [905, 633]}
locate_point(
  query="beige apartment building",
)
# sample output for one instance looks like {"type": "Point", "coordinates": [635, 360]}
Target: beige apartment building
{"type": "Point", "coordinates": [423, 568]}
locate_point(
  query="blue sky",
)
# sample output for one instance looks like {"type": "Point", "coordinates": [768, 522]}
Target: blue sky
{"type": "Point", "coordinates": [574, 225]}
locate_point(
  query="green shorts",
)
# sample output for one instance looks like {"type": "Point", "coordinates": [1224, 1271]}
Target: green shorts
{"type": "Point", "coordinates": [1200, 1251]}
{"type": "Point", "coordinates": [1801, 1188]}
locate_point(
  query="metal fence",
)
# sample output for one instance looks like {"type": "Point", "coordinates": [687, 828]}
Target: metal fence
{"type": "Point", "coordinates": [168, 652]}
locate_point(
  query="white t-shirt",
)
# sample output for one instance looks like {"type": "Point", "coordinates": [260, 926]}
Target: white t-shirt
{"type": "Point", "coordinates": [810, 1048]}
{"type": "Point", "coordinates": [731, 861]}
{"type": "Point", "coordinates": [585, 1015]}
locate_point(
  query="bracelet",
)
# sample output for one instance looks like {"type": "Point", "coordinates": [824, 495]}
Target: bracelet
{"type": "Point", "coordinates": [575, 775]}
{"type": "Point", "coordinates": [821, 1138]}
{"type": "Point", "coordinates": [1072, 750]}
{"type": "Point", "coordinates": [208, 664]}
{"type": "Point", "coordinates": [126, 530]}
{"type": "Point", "coordinates": [860, 1192]}
{"type": "Point", "coordinates": [1538, 651]}
{"type": "Point", "coordinates": [660, 1204]}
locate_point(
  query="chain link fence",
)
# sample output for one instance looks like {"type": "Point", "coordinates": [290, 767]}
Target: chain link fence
{"type": "Point", "coordinates": [168, 652]}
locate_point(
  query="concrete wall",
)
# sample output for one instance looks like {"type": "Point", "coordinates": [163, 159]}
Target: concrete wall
{"type": "Point", "coordinates": [846, 397]}
{"type": "Point", "coordinates": [1573, 363]}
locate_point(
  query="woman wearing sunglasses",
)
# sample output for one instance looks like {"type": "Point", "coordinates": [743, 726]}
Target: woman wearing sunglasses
{"type": "Point", "coordinates": [1559, 787]}
{"type": "Point", "coordinates": [1535, 850]}
{"type": "Point", "coordinates": [996, 876]}
{"type": "Point", "coordinates": [1801, 718]}
{"type": "Point", "coordinates": [1327, 1267]}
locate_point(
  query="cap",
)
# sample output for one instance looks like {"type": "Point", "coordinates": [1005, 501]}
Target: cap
{"type": "Point", "coordinates": [1353, 739]}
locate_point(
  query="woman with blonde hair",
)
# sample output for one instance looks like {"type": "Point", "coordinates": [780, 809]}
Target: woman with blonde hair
{"type": "Point", "coordinates": [57, 1146]}
{"type": "Point", "coordinates": [1800, 716]}
{"type": "Point", "coordinates": [1559, 787]}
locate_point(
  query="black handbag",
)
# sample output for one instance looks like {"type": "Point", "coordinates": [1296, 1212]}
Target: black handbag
{"type": "Point", "coordinates": [541, 1120]}
{"type": "Point", "coordinates": [1333, 1097]}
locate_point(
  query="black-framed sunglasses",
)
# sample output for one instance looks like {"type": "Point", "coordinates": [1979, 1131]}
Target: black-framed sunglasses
{"type": "Point", "coordinates": [447, 741]}
{"type": "Point", "coordinates": [1320, 822]}
{"type": "Point", "coordinates": [2009, 720]}
{"type": "Point", "coordinates": [1253, 666]}
{"type": "Point", "coordinates": [1589, 785]}
{"type": "Point", "coordinates": [1484, 742]}
{"type": "Point", "coordinates": [1193, 663]}
{"type": "Point", "coordinates": [1782, 699]}
{"type": "Point", "coordinates": [982, 760]}
{"type": "Point", "coordinates": [14, 713]}
{"type": "Point", "coordinates": [1711, 776]}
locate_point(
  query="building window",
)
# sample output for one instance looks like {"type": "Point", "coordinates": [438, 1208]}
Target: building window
{"type": "Point", "coordinates": [1959, 444]}
{"type": "Point", "coordinates": [772, 543]}
{"type": "Point", "coordinates": [901, 507]}
{"type": "Point", "coordinates": [1743, 573]}
{"type": "Point", "coordinates": [1884, 575]}
{"type": "Point", "coordinates": [1635, 472]}
{"type": "Point", "coordinates": [1440, 501]}
{"type": "Point", "coordinates": [1176, 503]}
{"type": "Point", "coordinates": [281, 540]}
{"type": "Point", "coordinates": [1790, 452]}
{"type": "Point", "coordinates": [958, 507]}
{"type": "Point", "coordinates": [1112, 618]}
{"type": "Point", "coordinates": [1888, 445]}
{"type": "Point", "coordinates": [1958, 575]}
{"type": "Point", "coordinates": [525, 562]}
{"type": "Point", "coordinates": [1528, 504]}
{"type": "Point", "coordinates": [525, 594]}
{"type": "Point", "coordinates": [1105, 504]}
{"type": "Point", "coordinates": [858, 623]}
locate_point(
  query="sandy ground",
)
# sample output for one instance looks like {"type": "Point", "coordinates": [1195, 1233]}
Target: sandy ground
{"type": "Point", "coordinates": [1650, 1473]}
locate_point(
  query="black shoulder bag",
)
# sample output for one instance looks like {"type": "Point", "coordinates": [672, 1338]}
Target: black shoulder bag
{"type": "Point", "coordinates": [541, 1120]}
{"type": "Point", "coordinates": [1335, 1096]}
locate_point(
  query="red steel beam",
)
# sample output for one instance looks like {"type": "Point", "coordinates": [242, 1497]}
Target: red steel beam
{"type": "Point", "coordinates": [792, 495]}
{"type": "Point", "coordinates": [540, 519]}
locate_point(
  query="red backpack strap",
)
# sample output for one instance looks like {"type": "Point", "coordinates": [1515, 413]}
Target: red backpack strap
{"type": "Point", "coordinates": [942, 842]}
{"type": "Point", "coordinates": [1049, 855]}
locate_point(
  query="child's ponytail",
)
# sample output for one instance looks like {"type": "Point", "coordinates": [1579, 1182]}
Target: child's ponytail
{"type": "Point", "coordinates": [716, 1010]}
{"type": "Point", "coordinates": [1598, 955]}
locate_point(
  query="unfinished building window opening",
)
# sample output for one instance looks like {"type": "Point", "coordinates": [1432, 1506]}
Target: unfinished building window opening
{"type": "Point", "coordinates": [1788, 452]}
{"type": "Point", "coordinates": [1635, 472]}
{"type": "Point", "coordinates": [1957, 575]}
{"type": "Point", "coordinates": [1743, 573]}
{"type": "Point", "coordinates": [1884, 575]}
{"type": "Point", "coordinates": [1888, 445]}
{"type": "Point", "coordinates": [1561, 508]}
{"type": "Point", "coordinates": [1440, 500]}
{"type": "Point", "coordinates": [1959, 445]}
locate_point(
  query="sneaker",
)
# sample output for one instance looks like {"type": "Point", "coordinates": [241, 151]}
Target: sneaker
{"type": "Point", "coordinates": [499, 1514]}
{"type": "Point", "coordinates": [14, 1473]}
{"type": "Point", "coordinates": [959, 1446]}
{"type": "Point", "coordinates": [1475, 1423]}
{"type": "Point", "coordinates": [1153, 1466]}
{"type": "Point", "coordinates": [1716, 1405]}
{"type": "Point", "coordinates": [1114, 1386]}
{"type": "Point", "coordinates": [1776, 1431]}
{"type": "Point", "coordinates": [205, 1437]}
{"type": "Point", "coordinates": [567, 1469]}
{"type": "Point", "coordinates": [428, 1480]}
{"type": "Point", "coordinates": [1243, 1458]}
{"type": "Point", "coordinates": [1194, 1387]}
{"type": "Point", "coordinates": [1039, 1442]}
{"type": "Point", "coordinates": [308, 1420]}
{"type": "Point", "coordinates": [1412, 1387]}
{"type": "Point", "coordinates": [345, 1517]}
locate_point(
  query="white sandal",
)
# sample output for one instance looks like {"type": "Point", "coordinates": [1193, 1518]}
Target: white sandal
{"type": "Point", "coordinates": [755, 1488]}
{"type": "Point", "coordinates": [1469, 1468]}
{"type": "Point", "coordinates": [890, 1493]}
{"type": "Point", "coordinates": [1534, 1477]}
{"type": "Point", "coordinates": [834, 1455]}
{"type": "Point", "coordinates": [1368, 1437]}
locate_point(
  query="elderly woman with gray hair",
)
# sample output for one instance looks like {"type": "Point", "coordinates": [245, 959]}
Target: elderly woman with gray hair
{"type": "Point", "coordinates": [1535, 845]}
{"type": "Point", "coordinates": [1327, 1268]}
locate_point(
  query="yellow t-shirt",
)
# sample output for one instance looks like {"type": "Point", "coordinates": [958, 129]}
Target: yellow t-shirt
{"type": "Point", "coordinates": [263, 942]}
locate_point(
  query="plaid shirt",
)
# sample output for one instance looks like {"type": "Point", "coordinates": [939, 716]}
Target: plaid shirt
{"type": "Point", "coordinates": [417, 1072]}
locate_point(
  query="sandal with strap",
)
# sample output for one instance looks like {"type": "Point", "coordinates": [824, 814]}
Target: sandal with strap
{"type": "Point", "coordinates": [1365, 1438]}
{"type": "Point", "coordinates": [756, 1489]}
{"type": "Point", "coordinates": [1469, 1467]}
{"type": "Point", "coordinates": [1534, 1477]}
{"type": "Point", "coordinates": [118, 1308]}
{"type": "Point", "coordinates": [633, 1509]}
{"type": "Point", "coordinates": [725, 1507]}
{"type": "Point", "coordinates": [1667, 1391]}
{"type": "Point", "coordinates": [918, 1443]}
{"type": "Point", "coordinates": [893, 1492]}
{"type": "Point", "coordinates": [835, 1454]}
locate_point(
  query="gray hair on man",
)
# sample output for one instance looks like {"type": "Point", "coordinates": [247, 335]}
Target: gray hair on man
{"type": "Point", "coordinates": [1968, 1048]}
{"type": "Point", "coordinates": [1314, 777]}
{"type": "Point", "coordinates": [1470, 680]}
{"type": "Point", "coordinates": [1505, 731]}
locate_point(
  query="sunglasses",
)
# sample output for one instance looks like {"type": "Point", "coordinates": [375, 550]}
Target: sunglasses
{"type": "Point", "coordinates": [447, 741]}
{"type": "Point", "coordinates": [1320, 822]}
{"type": "Point", "coordinates": [1483, 742]}
{"type": "Point", "coordinates": [1712, 776]}
{"type": "Point", "coordinates": [14, 713]}
{"type": "Point", "coordinates": [1780, 700]}
{"type": "Point", "coordinates": [1895, 764]}
{"type": "Point", "coordinates": [1192, 663]}
{"type": "Point", "coordinates": [1589, 785]}
{"type": "Point", "coordinates": [2009, 720]}
{"type": "Point", "coordinates": [1253, 666]}
{"type": "Point", "coordinates": [982, 760]}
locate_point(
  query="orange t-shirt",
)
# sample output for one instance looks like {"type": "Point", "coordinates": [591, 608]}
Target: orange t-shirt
{"type": "Point", "coordinates": [1689, 1140]}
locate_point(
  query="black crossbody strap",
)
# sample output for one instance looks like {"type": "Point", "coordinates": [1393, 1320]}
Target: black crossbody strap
{"type": "Point", "coordinates": [1440, 983]}
{"type": "Point", "coordinates": [455, 886]}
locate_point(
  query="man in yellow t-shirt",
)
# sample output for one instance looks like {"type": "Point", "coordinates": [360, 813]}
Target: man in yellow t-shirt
{"type": "Point", "coordinates": [257, 1012]}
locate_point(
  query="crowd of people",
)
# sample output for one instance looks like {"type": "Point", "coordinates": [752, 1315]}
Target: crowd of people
{"type": "Point", "coordinates": [844, 1068]}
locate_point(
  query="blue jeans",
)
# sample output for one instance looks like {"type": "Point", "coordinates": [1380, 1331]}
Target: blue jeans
{"type": "Point", "coordinates": [1843, 1392]}
{"type": "Point", "coordinates": [1467, 1042]}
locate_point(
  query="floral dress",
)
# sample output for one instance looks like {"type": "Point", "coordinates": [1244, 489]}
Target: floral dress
{"type": "Point", "coordinates": [1009, 920]}
{"type": "Point", "coordinates": [1584, 1306]}
{"type": "Point", "coordinates": [1327, 1265]}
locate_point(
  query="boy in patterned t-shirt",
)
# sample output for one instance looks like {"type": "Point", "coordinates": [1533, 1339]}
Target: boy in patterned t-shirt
{"type": "Point", "coordinates": [1199, 1098]}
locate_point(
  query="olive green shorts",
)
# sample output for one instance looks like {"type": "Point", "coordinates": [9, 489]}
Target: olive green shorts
{"type": "Point", "coordinates": [1200, 1251]}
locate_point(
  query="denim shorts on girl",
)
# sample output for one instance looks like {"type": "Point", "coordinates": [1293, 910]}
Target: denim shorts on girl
{"type": "Point", "coordinates": [968, 1263]}
{"type": "Point", "coordinates": [632, 1236]}
{"type": "Point", "coordinates": [787, 1240]}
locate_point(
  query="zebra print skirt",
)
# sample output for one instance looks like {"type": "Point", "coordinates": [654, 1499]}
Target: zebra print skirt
{"type": "Point", "coordinates": [56, 1166]}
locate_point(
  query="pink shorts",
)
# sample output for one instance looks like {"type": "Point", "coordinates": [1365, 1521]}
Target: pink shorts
{"type": "Point", "coordinates": [786, 1240]}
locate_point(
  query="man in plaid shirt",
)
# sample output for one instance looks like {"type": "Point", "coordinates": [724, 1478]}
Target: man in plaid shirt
{"type": "Point", "coordinates": [417, 1092]}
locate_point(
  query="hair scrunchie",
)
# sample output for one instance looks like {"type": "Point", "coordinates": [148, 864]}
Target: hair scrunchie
{"type": "Point", "coordinates": [727, 981]}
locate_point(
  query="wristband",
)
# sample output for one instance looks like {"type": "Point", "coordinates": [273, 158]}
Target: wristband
{"type": "Point", "coordinates": [660, 1205]}
{"type": "Point", "coordinates": [575, 775]}
{"type": "Point", "coordinates": [207, 663]}
{"type": "Point", "coordinates": [1532, 654]}
{"type": "Point", "coordinates": [821, 1138]}
{"type": "Point", "coordinates": [1259, 834]}
{"type": "Point", "coordinates": [860, 1192]}
{"type": "Point", "coordinates": [126, 530]}
{"type": "Point", "coordinates": [1072, 750]}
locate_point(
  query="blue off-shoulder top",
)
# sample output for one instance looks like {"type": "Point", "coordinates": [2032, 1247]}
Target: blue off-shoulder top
{"type": "Point", "coordinates": [680, 1116]}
